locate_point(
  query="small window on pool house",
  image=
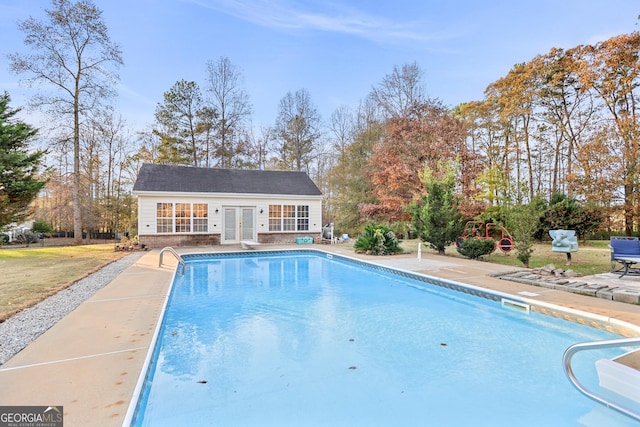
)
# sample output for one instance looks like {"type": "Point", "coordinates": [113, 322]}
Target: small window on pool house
{"type": "Point", "coordinates": [303, 218]}
{"type": "Point", "coordinates": [288, 218]}
{"type": "Point", "coordinates": [200, 220]}
{"type": "Point", "coordinates": [275, 218]}
{"type": "Point", "coordinates": [164, 217]}
{"type": "Point", "coordinates": [183, 217]}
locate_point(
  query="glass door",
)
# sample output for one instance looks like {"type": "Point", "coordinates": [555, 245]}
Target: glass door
{"type": "Point", "coordinates": [230, 226]}
{"type": "Point", "coordinates": [248, 224]}
{"type": "Point", "coordinates": [238, 224]}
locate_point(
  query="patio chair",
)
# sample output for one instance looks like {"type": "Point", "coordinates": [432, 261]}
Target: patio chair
{"type": "Point", "coordinates": [327, 234]}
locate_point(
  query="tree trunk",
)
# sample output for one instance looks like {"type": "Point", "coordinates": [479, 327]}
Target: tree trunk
{"type": "Point", "coordinates": [77, 210]}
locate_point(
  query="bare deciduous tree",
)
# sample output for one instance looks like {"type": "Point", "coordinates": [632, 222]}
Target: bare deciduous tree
{"type": "Point", "coordinates": [232, 107]}
{"type": "Point", "coordinates": [74, 55]}
{"type": "Point", "coordinates": [298, 128]}
{"type": "Point", "coordinates": [400, 92]}
{"type": "Point", "coordinates": [260, 142]}
{"type": "Point", "coordinates": [342, 126]}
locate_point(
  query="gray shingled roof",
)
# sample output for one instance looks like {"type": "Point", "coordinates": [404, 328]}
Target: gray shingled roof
{"type": "Point", "coordinates": [187, 179]}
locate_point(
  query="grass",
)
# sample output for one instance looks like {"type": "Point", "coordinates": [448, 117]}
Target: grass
{"type": "Point", "coordinates": [593, 256]}
{"type": "Point", "coordinates": [29, 275]}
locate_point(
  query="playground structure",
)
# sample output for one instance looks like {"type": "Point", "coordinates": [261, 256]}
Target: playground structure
{"type": "Point", "coordinates": [487, 231]}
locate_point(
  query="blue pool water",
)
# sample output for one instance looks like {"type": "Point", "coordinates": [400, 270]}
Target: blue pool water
{"type": "Point", "coordinates": [294, 339]}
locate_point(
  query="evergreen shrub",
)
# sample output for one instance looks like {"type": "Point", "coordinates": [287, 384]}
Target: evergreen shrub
{"type": "Point", "coordinates": [476, 248]}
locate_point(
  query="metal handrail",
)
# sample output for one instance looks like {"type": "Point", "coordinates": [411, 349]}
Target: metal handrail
{"type": "Point", "coordinates": [172, 251]}
{"type": "Point", "coordinates": [571, 351]}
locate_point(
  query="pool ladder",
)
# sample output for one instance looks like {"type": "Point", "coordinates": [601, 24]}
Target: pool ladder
{"type": "Point", "coordinates": [176, 254]}
{"type": "Point", "coordinates": [571, 351]}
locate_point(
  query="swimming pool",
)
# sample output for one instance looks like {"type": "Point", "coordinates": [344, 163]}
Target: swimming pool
{"type": "Point", "coordinates": [306, 338]}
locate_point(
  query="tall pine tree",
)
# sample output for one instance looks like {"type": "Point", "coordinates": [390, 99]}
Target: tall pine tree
{"type": "Point", "coordinates": [20, 181]}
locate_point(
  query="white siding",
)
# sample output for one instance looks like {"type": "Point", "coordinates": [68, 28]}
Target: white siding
{"type": "Point", "coordinates": [147, 209]}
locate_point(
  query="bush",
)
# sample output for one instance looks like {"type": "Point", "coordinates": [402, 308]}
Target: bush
{"type": "Point", "coordinates": [524, 252]}
{"type": "Point", "coordinates": [41, 227]}
{"type": "Point", "coordinates": [377, 240]}
{"type": "Point", "coordinates": [4, 239]}
{"type": "Point", "coordinates": [523, 221]}
{"type": "Point", "coordinates": [475, 248]}
{"type": "Point", "coordinates": [566, 213]}
{"type": "Point", "coordinates": [26, 237]}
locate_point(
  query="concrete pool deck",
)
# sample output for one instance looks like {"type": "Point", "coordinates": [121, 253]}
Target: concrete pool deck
{"type": "Point", "coordinates": [90, 361]}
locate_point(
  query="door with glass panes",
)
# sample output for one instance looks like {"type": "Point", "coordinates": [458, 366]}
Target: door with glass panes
{"type": "Point", "coordinates": [238, 224]}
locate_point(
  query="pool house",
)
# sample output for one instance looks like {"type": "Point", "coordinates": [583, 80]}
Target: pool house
{"type": "Point", "coordinates": [192, 206]}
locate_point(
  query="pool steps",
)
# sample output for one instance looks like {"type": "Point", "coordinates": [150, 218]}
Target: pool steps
{"type": "Point", "coordinates": [174, 253]}
{"type": "Point", "coordinates": [619, 378]}
{"type": "Point", "coordinates": [613, 376]}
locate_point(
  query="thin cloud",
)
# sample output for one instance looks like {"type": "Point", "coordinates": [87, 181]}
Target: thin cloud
{"type": "Point", "coordinates": [287, 16]}
{"type": "Point", "coordinates": [134, 95]}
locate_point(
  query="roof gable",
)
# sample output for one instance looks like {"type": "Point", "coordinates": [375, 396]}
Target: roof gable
{"type": "Point", "coordinates": [188, 179]}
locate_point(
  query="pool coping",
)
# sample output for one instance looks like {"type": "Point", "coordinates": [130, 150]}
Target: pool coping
{"type": "Point", "coordinates": [90, 362]}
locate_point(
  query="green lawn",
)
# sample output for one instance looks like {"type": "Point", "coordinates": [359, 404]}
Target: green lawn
{"type": "Point", "coordinates": [593, 256]}
{"type": "Point", "coordinates": [31, 274]}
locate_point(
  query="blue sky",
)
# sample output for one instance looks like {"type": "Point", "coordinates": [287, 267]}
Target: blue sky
{"type": "Point", "coordinates": [336, 49]}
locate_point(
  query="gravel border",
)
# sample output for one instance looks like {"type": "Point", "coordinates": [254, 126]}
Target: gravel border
{"type": "Point", "coordinates": [21, 329]}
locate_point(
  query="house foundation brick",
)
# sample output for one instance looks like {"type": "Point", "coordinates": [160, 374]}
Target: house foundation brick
{"type": "Point", "coordinates": [181, 240]}
{"type": "Point", "coordinates": [178, 240]}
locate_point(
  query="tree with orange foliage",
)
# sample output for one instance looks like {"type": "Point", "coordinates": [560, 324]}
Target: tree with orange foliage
{"type": "Point", "coordinates": [429, 134]}
{"type": "Point", "coordinates": [611, 69]}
